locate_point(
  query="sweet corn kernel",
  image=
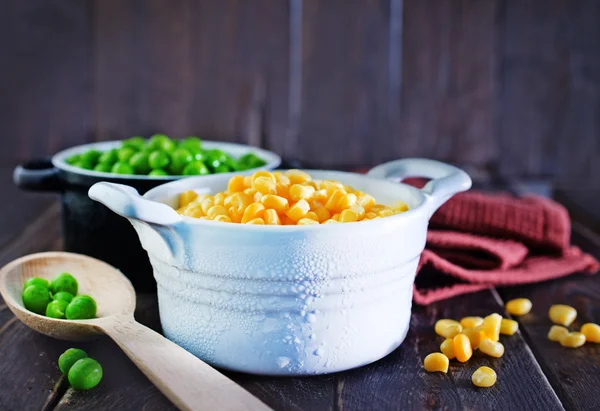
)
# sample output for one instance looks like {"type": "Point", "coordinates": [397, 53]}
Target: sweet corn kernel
{"type": "Point", "coordinates": [256, 221]}
{"type": "Point", "coordinates": [206, 204]}
{"type": "Point", "coordinates": [271, 217]}
{"type": "Point", "coordinates": [187, 197]}
{"type": "Point", "coordinates": [312, 184]}
{"type": "Point", "coordinates": [285, 220]}
{"type": "Point", "coordinates": [491, 326]}
{"type": "Point", "coordinates": [370, 216]}
{"type": "Point", "coordinates": [518, 306]}
{"type": "Point", "coordinates": [366, 201]}
{"type": "Point", "coordinates": [462, 347]}
{"type": "Point", "coordinates": [591, 332]}
{"type": "Point", "coordinates": [312, 215]}
{"type": "Point", "coordinates": [573, 340]}
{"type": "Point", "coordinates": [475, 336]}
{"type": "Point", "coordinates": [336, 217]}
{"type": "Point", "coordinates": [348, 216]}
{"type": "Point", "coordinates": [265, 185]}
{"type": "Point", "coordinates": [298, 211]}
{"type": "Point", "coordinates": [297, 176]}
{"type": "Point", "coordinates": [235, 214]}
{"type": "Point", "coordinates": [385, 213]}
{"type": "Point", "coordinates": [436, 362]}
{"type": "Point", "coordinates": [471, 322]}
{"type": "Point", "coordinates": [219, 199]}
{"type": "Point", "coordinates": [281, 178]}
{"type": "Point", "coordinates": [277, 203]}
{"type": "Point", "coordinates": [238, 200]}
{"type": "Point", "coordinates": [253, 211]}
{"type": "Point", "coordinates": [447, 348]}
{"type": "Point", "coordinates": [484, 377]}
{"type": "Point", "coordinates": [447, 328]}
{"type": "Point", "coordinates": [236, 184]}
{"type": "Point", "coordinates": [400, 207]}
{"type": "Point", "coordinates": [508, 327]}
{"type": "Point", "coordinates": [283, 191]}
{"type": "Point", "coordinates": [248, 181]}
{"type": "Point", "coordinates": [346, 201]}
{"type": "Point", "coordinates": [223, 219]}
{"type": "Point", "coordinates": [332, 203]}
{"type": "Point", "coordinates": [307, 221]}
{"type": "Point", "coordinates": [264, 174]}
{"type": "Point", "coordinates": [322, 214]}
{"type": "Point", "coordinates": [378, 207]}
{"type": "Point", "coordinates": [215, 211]}
{"type": "Point", "coordinates": [193, 210]}
{"type": "Point", "coordinates": [491, 348]}
{"type": "Point", "coordinates": [562, 314]}
{"type": "Point", "coordinates": [330, 222]}
{"type": "Point", "coordinates": [359, 210]}
{"type": "Point", "coordinates": [299, 192]}
{"type": "Point", "coordinates": [557, 332]}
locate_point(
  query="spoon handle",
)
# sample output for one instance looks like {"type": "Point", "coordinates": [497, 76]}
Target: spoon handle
{"type": "Point", "coordinates": [188, 382]}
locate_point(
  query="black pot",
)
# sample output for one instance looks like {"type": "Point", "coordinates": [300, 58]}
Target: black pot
{"type": "Point", "coordinates": [89, 227]}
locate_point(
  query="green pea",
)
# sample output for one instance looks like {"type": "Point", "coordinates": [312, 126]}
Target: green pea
{"type": "Point", "coordinates": [36, 299]}
{"type": "Point", "coordinates": [156, 141]}
{"type": "Point", "coordinates": [86, 165]}
{"type": "Point", "coordinates": [103, 168]}
{"type": "Point", "coordinates": [75, 158]}
{"type": "Point", "coordinates": [122, 168]}
{"type": "Point", "coordinates": [191, 143]}
{"type": "Point", "coordinates": [109, 157]}
{"type": "Point", "coordinates": [56, 309]}
{"type": "Point", "coordinates": [196, 168]}
{"type": "Point", "coordinates": [83, 307]}
{"type": "Point", "coordinates": [91, 156]}
{"type": "Point", "coordinates": [37, 281]}
{"type": "Point", "coordinates": [222, 168]}
{"type": "Point", "coordinates": [179, 159]}
{"type": "Point", "coordinates": [125, 153]}
{"type": "Point", "coordinates": [199, 155]}
{"type": "Point", "coordinates": [168, 145]}
{"type": "Point", "coordinates": [63, 295]}
{"type": "Point", "coordinates": [137, 142]}
{"type": "Point", "coordinates": [64, 282]}
{"type": "Point", "coordinates": [158, 172]}
{"type": "Point", "coordinates": [158, 159]}
{"type": "Point", "coordinates": [85, 374]}
{"type": "Point", "coordinates": [70, 357]}
{"type": "Point", "coordinates": [251, 160]}
{"type": "Point", "coordinates": [139, 163]}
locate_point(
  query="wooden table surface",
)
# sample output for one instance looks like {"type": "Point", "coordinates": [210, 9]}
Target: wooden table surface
{"type": "Point", "coordinates": [533, 374]}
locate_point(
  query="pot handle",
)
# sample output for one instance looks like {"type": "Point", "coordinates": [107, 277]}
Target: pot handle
{"type": "Point", "coordinates": [446, 180]}
{"type": "Point", "coordinates": [37, 175]}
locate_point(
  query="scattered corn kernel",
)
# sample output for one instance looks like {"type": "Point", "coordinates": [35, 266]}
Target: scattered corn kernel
{"type": "Point", "coordinates": [219, 199]}
{"type": "Point", "coordinates": [436, 362]}
{"type": "Point", "coordinates": [298, 176]}
{"type": "Point", "coordinates": [447, 348]}
{"type": "Point", "coordinates": [277, 203]}
{"type": "Point", "coordinates": [271, 217]}
{"type": "Point", "coordinates": [322, 214]}
{"type": "Point", "coordinates": [447, 328]}
{"type": "Point", "coordinates": [236, 184]}
{"type": "Point", "coordinates": [253, 211]}
{"type": "Point", "coordinates": [223, 218]}
{"type": "Point", "coordinates": [257, 221]}
{"type": "Point", "coordinates": [475, 336]}
{"type": "Point", "coordinates": [562, 314]}
{"type": "Point", "coordinates": [471, 322]}
{"type": "Point", "coordinates": [193, 210]}
{"type": "Point", "coordinates": [557, 332]}
{"type": "Point", "coordinates": [491, 326]}
{"type": "Point", "coordinates": [484, 377]}
{"type": "Point", "coordinates": [215, 211]}
{"type": "Point", "coordinates": [206, 204]}
{"type": "Point", "coordinates": [264, 185]}
{"type": "Point", "coordinates": [462, 347]}
{"type": "Point", "coordinates": [346, 201]}
{"type": "Point", "coordinates": [330, 222]}
{"type": "Point", "coordinates": [491, 348]}
{"type": "Point", "coordinates": [573, 340]}
{"type": "Point", "coordinates": [332, 203]}
{"type": "Point", "coordinates": [307, 221]}
{"type": "Point", "coordinates": [299, 192]}
{"type": "Point", "coordinates": [187, 197]}
{"type": "Point", "coordinates": [298, 211]}
{"type": "Point", "coordinates": [508, 326]}
{"type": "Point", "coordinates": [591, 332]}
{"type": "Point", "coordinates": [348, 216]}
{"type": "Point", "coordinates": [281, 178]}
{"type": "Point", "coordinates": [518, 306]}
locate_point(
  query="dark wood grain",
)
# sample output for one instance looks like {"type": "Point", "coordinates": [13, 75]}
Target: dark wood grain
{"type": "Point", "coordinates": [45, 77]}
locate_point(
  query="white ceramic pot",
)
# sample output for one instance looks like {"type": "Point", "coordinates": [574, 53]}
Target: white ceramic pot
{"type": "Point", "coordinates": [288, 300]}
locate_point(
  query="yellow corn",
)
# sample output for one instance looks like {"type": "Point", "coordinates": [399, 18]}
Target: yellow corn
{"type": "Point", "coordinates": [348, 216]}
{"type": "Point", "coordinates": [206, 204]}
{"type": "Point", "coordinates": [264, 174]}
{"type": "Point", "coordinates": [298, 211]}
{"type": "Point", "coordinates": [491, 326]}
{"type": "Point", "coordinates": [264, 185]}
{"type": "Point", "coordinates": [370, 216]}
{"type": "Point", "coordinates": [508, 327]}
{"type": "Point", "coordinates": [297, 176]}
{"type": "Point", "coordinates": [283, 191]}
{"type": "Point", "coordinates": [332, 203]}
{"type": "Point", "coordinates": [322, 214]}
{"type": "Point", "coordinates": [236, 184]}
{"type": "Point", "coordinates": [591, 332]}
{"type": "Point", "coordinates": [281, 178]}
{"type": "Point", "coordinates": [336, 217]}
{"type": "Point", "coordinates": [562, 314]}
{"type": "Point", "coordinates": [484, 377]}
{"type": "Point", "coordinates": [253, 211]}
{"type": "Point", "coordinates": [312, 215]}
{"type": "Point", "coordinates": [277, 203]}
{"type": "Point", "coordinates": [573, 340]}
{"type": "Point", "coordinates": [346, 201]}
{"type": "Point", "coordinates": [557, 332]}
{"type": "Point", "coordinates": [471, 322]}
{"type": "Point", "coordinates": [271, 217]}
{"type": "Point", "coordinates": [307, 221]}
{"type": "Point", "coordinates": [462, 347]}
{"type": "Point", "coordinates": [491, 348]}
{"type": "Point", "coordinates": [299, 192]}
{"type": "Point", "coordinates": [215, 211]}
{"type": "Point", "coordinates": [359, 210]}
{"type": "Point", "coordinates": [385, 213]}
{"type": "Point", "coordinates": [256, 221]}
{"type": "Point", "coordinates": [248, 181]}
{"type": "Point", "coordinates": [193, 210]}
{"type": "Point", "coordinates": [187, 197]}
{"type": "Point", "coordinates": [223, 219]}
{"type": "Point", "coordinates": [518, 306]}
{"type": "Point", "coordinates": [475, 336]}
{"type": "Point", "coordinates": [366, 201]}
{"type": "Point", "coordinates": [447, 328]}
{"type": "Point", "coordinates": [235, 215]}
{"type": "Point", "coordinates": [447, 348]}
{"type": "Point", "coordinates": [436, 362]}
{"type": "Point", "coordinates": [219, 199]}
{"type": "Point", "coordinates": [330, 222]}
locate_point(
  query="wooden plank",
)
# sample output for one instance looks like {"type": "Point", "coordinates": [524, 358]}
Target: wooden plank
{"type": "Point", "coordinates": [399, 381]}
{"type": "Point", "coordinates": [448, 82]}
{"type": "Point", "coordinates": [550, 88]}
{"type": "Point", "coordinates": [216, 69]}
{"type": "Point", "coordinates": [45, 71]}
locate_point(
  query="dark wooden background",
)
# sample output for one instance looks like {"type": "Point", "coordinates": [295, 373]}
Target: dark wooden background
{"type": "Point", "coordinates": [508, 86]}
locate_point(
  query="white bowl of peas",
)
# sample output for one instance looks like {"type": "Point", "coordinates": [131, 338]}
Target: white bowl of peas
{"type": "Point", "coordinates": [290, 272]}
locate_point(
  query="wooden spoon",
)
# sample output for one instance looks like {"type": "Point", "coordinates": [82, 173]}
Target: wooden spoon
{"type": "Point", "coordinates": [187, 381]}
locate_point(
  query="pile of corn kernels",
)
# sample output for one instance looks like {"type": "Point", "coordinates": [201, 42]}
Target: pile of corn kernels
{"type": "Point", "coordinates": [473, 333]}
{"type": "Point", "coordinates": [285, 198]}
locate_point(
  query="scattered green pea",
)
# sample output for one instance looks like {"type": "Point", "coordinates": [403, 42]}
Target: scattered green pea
{"type": "Point", "coordinates": [158, 172]}
{"type": "Point", "coordinates": [139, 163]}
{"type": "Point", "coordinates": [91, 156]}
{"type": "Point", "coordinates": [85, 374]}
{"type": "Point", "coordinates": [222, 168]}
{"type": "Point", "coordinates": [64, 282]}
{"type": "Point", "coordinates": [156, 141]}
{"type": "Point", "coordinates": [158, 159]}
{"type": "Point", "coordinates": [75, 158]}
{"type": "Point", "coordinates": [191, 143]}
{"type": "Point", "coordinates": [83, 307]}
{"type": "Point", "coordinates": [56, 309]}
{"type": "Point", "coordinates": [36, 298]}
{"type": "Point", "coordinates": [125, 153]}
{"type": "Point", "coordinates": [109, 157]}
{"type": "Point", "coordinates": [63, 295]}
{"type": "Point", "coordinates": [103, 168]}
{"type": "Point", "coordinates": [69, 358]}
{"type": "Point", "coordinates": [137, 142]}
{"type": "Point", "coordinates": [196, 168]}
{"type": "Point", "coordinates": [122, 168]}
{"type": "Point", "coordinates": [86, 165]}
{"type": "Point", "coordinates": [37, 281]}
{"type": "Point", "coordinates": [179, 159]}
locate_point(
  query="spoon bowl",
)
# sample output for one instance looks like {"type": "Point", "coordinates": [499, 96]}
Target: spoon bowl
{"type": "Point", "coordinates": [186, 380]}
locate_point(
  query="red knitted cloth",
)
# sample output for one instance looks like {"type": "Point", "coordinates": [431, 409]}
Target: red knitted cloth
{"type": "Point", "coordinates": [477, 241]}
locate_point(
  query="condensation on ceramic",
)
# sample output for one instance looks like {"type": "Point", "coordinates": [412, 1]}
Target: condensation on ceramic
{"type": "Point", "coordinates": [289, 301]}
